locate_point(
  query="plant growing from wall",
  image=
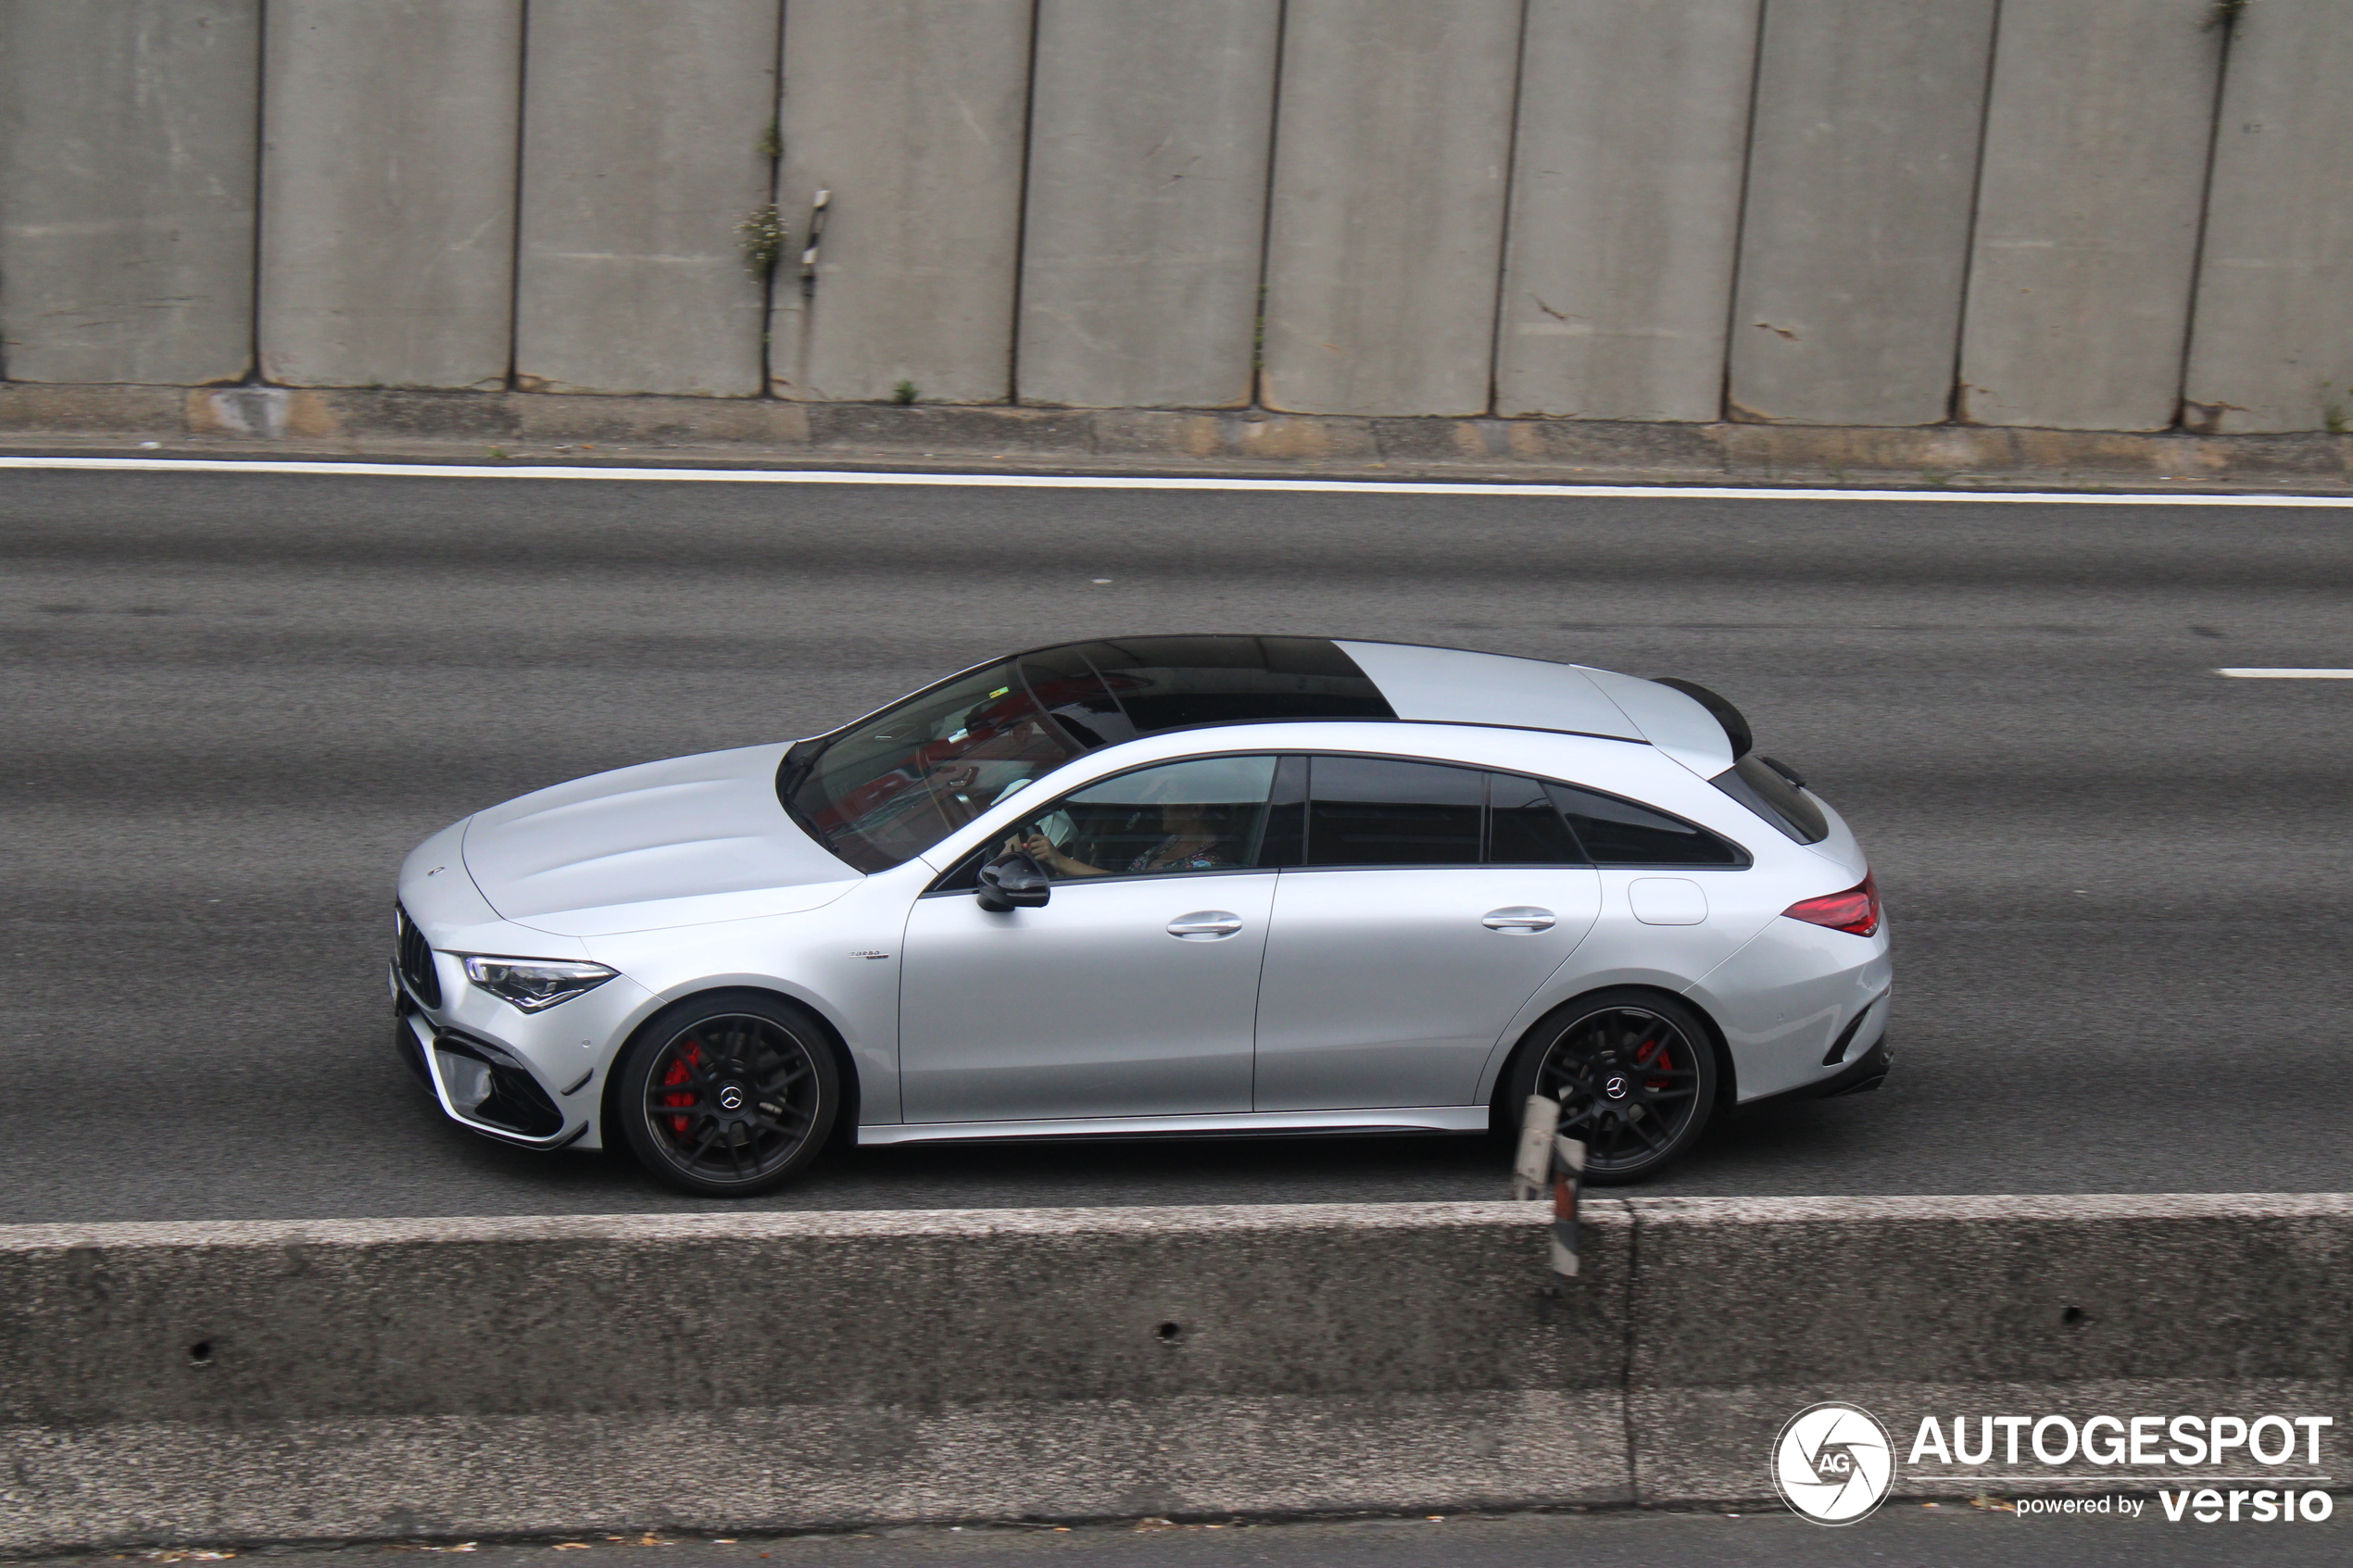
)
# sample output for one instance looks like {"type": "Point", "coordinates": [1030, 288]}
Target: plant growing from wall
{"type": "Point", "coordinates": [763, 236]}
{"type": "Point", "coordinates": [904, 393]}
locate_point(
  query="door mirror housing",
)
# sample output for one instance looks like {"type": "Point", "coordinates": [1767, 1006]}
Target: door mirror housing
{"type": "Point", "coordinates": [1012, 882]}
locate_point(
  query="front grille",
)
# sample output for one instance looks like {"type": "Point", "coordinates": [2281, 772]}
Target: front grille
{"type": "Point", "coordinates": [416, 963]}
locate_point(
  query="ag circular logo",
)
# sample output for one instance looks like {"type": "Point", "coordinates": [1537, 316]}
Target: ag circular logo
{"type": "Point", "coordinates": [1833, 1463]}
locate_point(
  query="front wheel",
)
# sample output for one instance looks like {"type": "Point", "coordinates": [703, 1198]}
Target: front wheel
{"type": "Point", "coordinates": [1634, 1074]}
{"type": "Point", "coordinates": [728, 1094]}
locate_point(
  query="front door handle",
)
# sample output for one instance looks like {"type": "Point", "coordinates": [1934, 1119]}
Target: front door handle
{"type": "Point", "coordinates": [1525, 920]}
{"type": "Point", "coordinates": [1205, 925]}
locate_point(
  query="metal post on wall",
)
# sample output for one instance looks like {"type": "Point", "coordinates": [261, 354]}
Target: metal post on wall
{"type": "Point", "coordinates": [1548, 1161]}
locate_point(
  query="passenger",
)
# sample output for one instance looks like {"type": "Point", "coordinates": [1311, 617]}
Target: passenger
{"type": "Point", "coordinates": [1194, 843]}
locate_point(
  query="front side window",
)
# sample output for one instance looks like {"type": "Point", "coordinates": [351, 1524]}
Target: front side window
{"type": "Point", "coordinates": [1204, 814]}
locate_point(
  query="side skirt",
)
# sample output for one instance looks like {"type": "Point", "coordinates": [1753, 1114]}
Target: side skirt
{"type": "Point", "coordinates": [1388, 1119]}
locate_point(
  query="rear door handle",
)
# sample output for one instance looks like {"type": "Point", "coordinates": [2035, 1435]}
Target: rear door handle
{"type": "Point", "coordinates": [1523, 918]}
{"type": "Point", "coordinates": [1205, 925]}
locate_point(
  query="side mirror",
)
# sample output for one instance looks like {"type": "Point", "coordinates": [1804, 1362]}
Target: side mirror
{"type": "Point", "coordinates": [1012, 882]}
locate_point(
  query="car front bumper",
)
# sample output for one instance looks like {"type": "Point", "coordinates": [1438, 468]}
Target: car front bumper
{"type": "Point", "coordinates": [531, 1080]}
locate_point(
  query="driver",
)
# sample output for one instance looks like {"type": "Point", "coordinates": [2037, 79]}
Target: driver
{"type": "Point", "coordinates": [1194, 842]}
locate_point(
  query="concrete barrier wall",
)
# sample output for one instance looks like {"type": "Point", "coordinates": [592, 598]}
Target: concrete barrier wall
{"type": "Point", "coordinates": [2273, 343]}
{"type": "Point", "coordinates": [127, 183]}
{"type": "Point", "coordinates": [647, 129]}
{"type": "Point", "coordinates": [1147, 202]}
{"type": "Point", "coordinates": [1862, 168]}
{"type": "Point", "coordinates": [286, 1381]}
{"type": "Point", "coordinates": [1391, 165]}
{"type": "Point", "coordinates": [389, 191]}
{"type": "Point", "coordinates": [1847, 213]}
{"type": "Point", "coordinates": [915, 115]}
{"type": "Point", "coordinates": [2087, 213]}
{"type": "Point", "coordinates": [1625, 196]}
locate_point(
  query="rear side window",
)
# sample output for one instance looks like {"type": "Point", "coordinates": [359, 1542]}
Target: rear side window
{"type": "Point", "coordinates": [1374, 811]}
{"type": "Point", "coordinates": [1618, 832]}
{"type": "Point", "coordinates": [1524, 828]}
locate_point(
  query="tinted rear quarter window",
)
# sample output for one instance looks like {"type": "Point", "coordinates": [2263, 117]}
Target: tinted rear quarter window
{"type": "Point", "coordinates": [1618, 832]}
{"type": "Point", "coordinates": [1756, 784]}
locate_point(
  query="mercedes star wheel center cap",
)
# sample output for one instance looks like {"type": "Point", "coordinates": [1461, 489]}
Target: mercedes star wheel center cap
{"type": "Point", "coordinates": [1615, 1088]}
{"type": "Point", "coordinates": [731, 1099]}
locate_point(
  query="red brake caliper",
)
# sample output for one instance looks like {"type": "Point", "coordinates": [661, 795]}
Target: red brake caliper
{"type": "Point", "coordinates": [1656, 1056]}
{"type": "Point", "coordinates": [689, 1053]}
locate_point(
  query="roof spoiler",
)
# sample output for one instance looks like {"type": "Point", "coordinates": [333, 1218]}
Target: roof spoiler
{"type": "Point", "coordinates": [1736, 728]}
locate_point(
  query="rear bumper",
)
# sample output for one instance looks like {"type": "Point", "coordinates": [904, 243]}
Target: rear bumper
{"type": "Point", "coordinates": [1862, 1076]}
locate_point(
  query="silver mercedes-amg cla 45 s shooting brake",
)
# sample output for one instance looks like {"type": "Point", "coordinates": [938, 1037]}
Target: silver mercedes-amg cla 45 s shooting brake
{"type": "Point", "coordinates": [1150, 887]}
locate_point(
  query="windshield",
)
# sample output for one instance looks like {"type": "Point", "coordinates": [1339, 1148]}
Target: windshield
{"type": "Point", "coordinates": [911, 776]}
{"type": "Point", "coordinates": [902, 780]}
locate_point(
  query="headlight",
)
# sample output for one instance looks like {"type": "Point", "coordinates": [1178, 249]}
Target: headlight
{"type": "Point", "coordinates": [536, 984]}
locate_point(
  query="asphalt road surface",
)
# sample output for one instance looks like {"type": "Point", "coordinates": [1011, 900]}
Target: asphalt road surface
{"type": "Point", "coordinates": [1902, 1535]}
{"type": "Point", "coordinates": [2117, 882]}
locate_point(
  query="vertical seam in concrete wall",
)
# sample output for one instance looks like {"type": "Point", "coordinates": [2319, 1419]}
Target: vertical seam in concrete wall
{"type": "Point", "coordinates": [261, 154]}
{"type": "Point", "coordinates": [1954, 401]}
{"type": "Point", "coordinates": [514, 251]}
{"type": "Point", "coordinates": [2229, 29]}
{"type": "Point", "coordinates": [1267, 212]}
{"type": "Point", "coordinates": [776, 206]}
{"type": "Point", "coordinates": [1021, 216]}
{"type": "Point", "coordinates": [1740, 214]}
{"type": "Point", "coordinates": [1504, 234]}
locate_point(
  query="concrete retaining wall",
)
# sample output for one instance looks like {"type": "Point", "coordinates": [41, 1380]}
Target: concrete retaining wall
{"type": "Point", "coordinates": [1147, 202]}
{"type": "Point", "coordinates": [913, 114]}
{"type": "Point", "coordinates": [1391, 165]}
{"type": "Point", "coordinates": [370, 1378]}
{"type": "Point", "coordinates": [2273, 345]}
{"type": "Point", "coordinates": [389, 191]}
{"type": "Point", "coordinates": [1626, 198]}
{"type": "Point", "coordinates": [2079, 287]}
{"type": "Point", "coordinates": [127, 184]}
{"type": "Point", "coordinates": [1854, 244]}
{"type": "Point", "coordinates": [648, 126]}
{"type": "Point", "coordinates": [1900, 213]}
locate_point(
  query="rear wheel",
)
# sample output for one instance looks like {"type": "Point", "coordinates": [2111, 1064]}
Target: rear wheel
{"type": "Point", "coordinates": [728, 1094]}
{"type": "Point", "coordinates": [1634, 1074]}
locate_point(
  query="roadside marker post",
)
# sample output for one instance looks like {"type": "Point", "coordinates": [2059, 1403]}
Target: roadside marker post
{"type": "Point", "coordinates": [1549, 1161]}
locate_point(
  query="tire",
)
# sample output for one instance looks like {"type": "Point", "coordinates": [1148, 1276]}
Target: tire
{"type": "Point", "coordinates": [730, 1094]}
{"type": "Point", "coordinates": [1633, 1122]}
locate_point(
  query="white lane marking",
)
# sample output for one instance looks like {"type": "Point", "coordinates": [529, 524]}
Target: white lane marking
{"type": "Point", "coordinates": [2288, 674]}
{"type": "Point", "coordinates": [1154, 482]}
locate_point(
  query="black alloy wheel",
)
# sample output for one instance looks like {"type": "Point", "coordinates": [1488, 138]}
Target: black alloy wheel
{"type": "Point", "coordinates": [1635, 1077]}
{"type": "Point", "coordinates": [728, 1094]}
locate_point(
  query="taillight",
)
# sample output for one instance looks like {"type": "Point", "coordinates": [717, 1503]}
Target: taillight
{"type": "Point", "coordinates": [1855, 910]}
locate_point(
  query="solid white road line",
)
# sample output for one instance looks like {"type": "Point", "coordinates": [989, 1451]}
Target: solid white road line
{"type": "Point", "coordinates": [2288, 674]}
{"type": "Point", "coordinates": [1150, 482]}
